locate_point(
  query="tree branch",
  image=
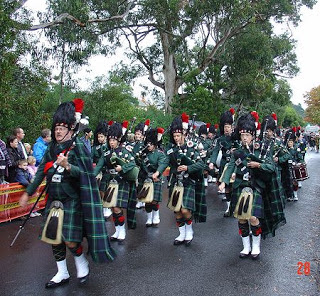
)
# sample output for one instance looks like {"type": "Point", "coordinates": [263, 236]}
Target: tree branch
{"type": "Point", "coordinates": [66, 16]}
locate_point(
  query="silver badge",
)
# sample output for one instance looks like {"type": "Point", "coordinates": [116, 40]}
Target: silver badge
{"type": "Point", "coordinates": [246, 176]}
{"type": "Point", "coordinates": [238, 161]}
{"type": "Point", "coordinates": [56, 178]}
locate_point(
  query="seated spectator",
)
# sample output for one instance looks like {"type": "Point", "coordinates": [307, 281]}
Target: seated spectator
{"type": "Point", "coordinates": [40, 147]}
{"type": "Point", "coordinates": [5, 162]}
{"type": "Point", "coordinates": [32, 169]}
{"type": "Point", "coordinates": [25, 178]}
{"type": "Point", "coordinates": [28, 148]}
{"type": "Point", "coordinates": [15, 156]}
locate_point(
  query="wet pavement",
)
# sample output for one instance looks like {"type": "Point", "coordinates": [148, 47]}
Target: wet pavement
{"type": "Point", "coordinates": [149, 264]}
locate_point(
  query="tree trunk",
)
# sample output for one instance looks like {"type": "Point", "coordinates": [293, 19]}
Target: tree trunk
{"type": "Point", "coordinates": [169, 72]}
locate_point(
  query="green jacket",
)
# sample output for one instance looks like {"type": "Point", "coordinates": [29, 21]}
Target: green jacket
{"type": "Point", "coordinates": [238, 165]}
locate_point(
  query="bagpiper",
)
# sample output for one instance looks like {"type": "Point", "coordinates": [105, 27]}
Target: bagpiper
{"type": "Point", "coordinates": [73, 209]}
{"type": "Point", "coordinates": [122, 174]}
{"type": "Point", "coordinates": [186, 168]}
{"type": "Point", "coordinates": [153, 163]}
{"type": "Point", "coordinates": [139, 134]}
{"type": "Point", "coordinates": [100, 144]}
{"type": "Point", "coordinates": [224, 144]}
{"type": "Point", "coordinates": [251, 201]}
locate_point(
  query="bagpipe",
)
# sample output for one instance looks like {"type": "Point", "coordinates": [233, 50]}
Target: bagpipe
{"type": "Point", "coordinates": [131, 175]}
{"type": "Point", "coordinates": [176, 197]}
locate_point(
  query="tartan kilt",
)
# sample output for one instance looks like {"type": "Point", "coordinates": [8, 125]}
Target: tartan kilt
{"type": "Point", "coordinates": [189, 193]}
{"type": "Point", "coordinates": [157, 193]}
{"type": "Point", "coordinates": [257, 203]}
{"type": "Point", "coordinates": [72, 228]}
{"type": "Point", "coordinates": [103, 182]}
{"type": "Point", "coordinates": [123, 193]}
{"type": "Point", "coordinates": [200, 213]}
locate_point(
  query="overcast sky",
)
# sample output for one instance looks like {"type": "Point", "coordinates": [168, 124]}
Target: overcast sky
{"type": "Point", "coordinates": [308, 53]}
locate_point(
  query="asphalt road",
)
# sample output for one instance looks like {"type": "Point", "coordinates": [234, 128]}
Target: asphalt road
{"type": "Point", "coordinates": [149, 264]}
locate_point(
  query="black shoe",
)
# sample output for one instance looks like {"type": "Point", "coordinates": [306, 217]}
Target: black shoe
{"type": "Point", "coordinates": [255, 257]}
{"type": "Point", "coordinates": [148, 225]}
{"type": "Point", "coordinates": [52, 284]}
{"type": "Point", "coordinates": [120, 241]}
{"type": "Point", "coordinates": [113, 239]}
{"type": "Point", "coordinates": [244, 256]}
{"type": "Point", "coordinates": [83, 280]}
{"type": "Point", "coordinates": [227, 214]}
{"type": "Point", "coordinates": [188, 242]}
{"type": "Point", "coordinates": [177, 242]}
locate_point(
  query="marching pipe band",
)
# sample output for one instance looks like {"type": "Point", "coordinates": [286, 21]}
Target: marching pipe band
{"type": "Point", "coordinates": [253, 172]}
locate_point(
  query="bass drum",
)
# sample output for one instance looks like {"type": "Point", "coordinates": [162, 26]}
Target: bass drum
{"type": "Point", "coordinates": [300, 172]}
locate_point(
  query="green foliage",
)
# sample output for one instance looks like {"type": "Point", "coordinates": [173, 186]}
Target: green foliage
{"type": "Point", "coordinates": [23, 84]}
{"type": "Point", "coordinates": [291, 118]}
{"type": "Point", "coordinates": [312, 99]}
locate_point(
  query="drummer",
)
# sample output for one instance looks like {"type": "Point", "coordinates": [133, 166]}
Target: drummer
{"type": "Point", "coordinates": [296, 155]}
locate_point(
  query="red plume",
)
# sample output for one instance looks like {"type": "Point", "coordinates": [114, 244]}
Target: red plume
{"type": "Point", "coordinates": [299, 128]}
{"type": "Point", "coordinates": [232, 111]}
{"type": "Point", "coordinates": [294, 129]}
{"type": "Point", "coordinates": [259, 126]}
{"type": "Point", "coordinates": [185, 117]}
{"type": "Point", "coordinates": [110, 122]}
{"type": "Point", "coordinates": [160, 130]}
{"type": "Point", "coordinates": [208, 124]}
{"type": "Point", "coordinates": [125, 124]}
{"type": "Point", "coordinates": [255, 115]}
{"type": "Point", "coordinates": [79, 104]}
{"type": "Point", "coordinates": [216, 126]}
{"type": "Point", "coordinates": [147, 122]}
{"type": "Point", "coordinates": [146, 125]}
{"type": "Point", "coordinates": [274, 116]}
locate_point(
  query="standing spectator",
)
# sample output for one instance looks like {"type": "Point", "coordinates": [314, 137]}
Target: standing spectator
{"type": "Point", "coordinates": [5, 162]}
{"type": "Point", "coordinates": [86, 138]}
{"type": "Point", "coordinates": [28, 149]}
{"type": "Point", "coordinates": [19, 134]}
{"type": "Point", "coordinates": [15, 156]}
{"type": "Point", "coordinates": [32, 165]}
{"type": "Point", "coordinates": [40, 147]}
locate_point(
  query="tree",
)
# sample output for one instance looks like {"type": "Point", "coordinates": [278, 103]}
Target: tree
{"type": "Point", "coordinates": [312, 99]}
{"type": "Point", "coordinates": [22, 84]}
{"type": "Point", "coordinates": [291, 118]}
{"type": "Point", "coordinates": [157, 31]}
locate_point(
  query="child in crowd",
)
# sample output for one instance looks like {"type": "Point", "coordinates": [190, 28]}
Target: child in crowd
{"type": "Point", "coordinates": [32, 169]}
{"type": "Point", "coordinates": [28, 149]}
{"type": "Point", "coordinates": [25, 178]}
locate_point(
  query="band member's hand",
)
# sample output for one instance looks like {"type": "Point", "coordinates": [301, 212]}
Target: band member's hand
{"type": "Point", "coordinates": [118, 168]}
{"type": "Point", "coordinates": [233, 149]}
{"type": "Point", "coordinates": [211, 166]}
{"type": "Point", "coordinates": [182, 168]}
{"type": "Point", "coordinates": [24, 199]}
{"type": "Point", "coordinates": [233, 176]}
{"type": "Point", "coordinates": [99, 176]}
{"type": "Point", "coordinates": [222, 186]}
{"type": "Point", "coordinates": [253, 164]}
{"type": "Point", "coordinates": [62, 160]}
{"type": "Point", "coordinates": [275, 159]}
{"type": "Point", "coordinates": [155, 176]}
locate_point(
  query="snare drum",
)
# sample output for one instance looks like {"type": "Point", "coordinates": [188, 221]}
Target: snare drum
{"type": "Point", "coordinates": [300, 172]}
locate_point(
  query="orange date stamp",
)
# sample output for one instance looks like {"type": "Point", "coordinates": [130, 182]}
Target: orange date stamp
{"type": "Point", "coordinates": [303, 268]}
